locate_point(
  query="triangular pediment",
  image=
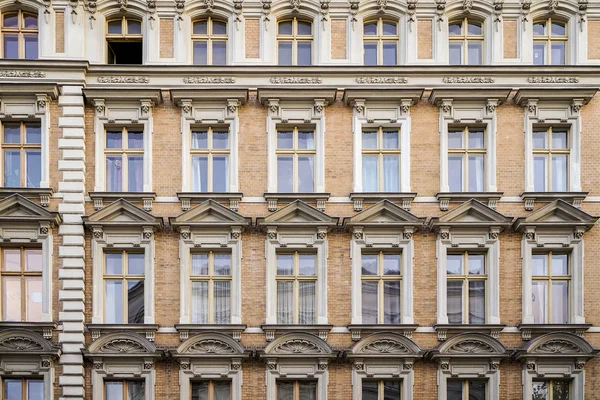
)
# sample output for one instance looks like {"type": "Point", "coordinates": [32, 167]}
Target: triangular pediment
{"type": "Point", "coordinates": [557, 214]}
{"type": "Point", "coordinates": [471, 213]}
{"type": "Point", "coordinates": [384, 213]}
{"type": "Point", "coordinates": [122, 213]}
{"type": "Point", "coordinates": [298, 213]}
{"type": "Point", "coordinates": [209, 213]}
{"type": "Point", "coordinates": [18, 208]}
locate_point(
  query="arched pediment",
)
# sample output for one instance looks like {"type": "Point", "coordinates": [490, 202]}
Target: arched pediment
{"type": "Point", "coordinates": [387, 9]}
{"type": "Point", "coordinates": [221, 9]}
{"type": "Point", "coordinates": [122, 344]}
{"type": "Point", "coordinates": [20, 341]}
{"type": "Point", "coordinates": [210, 345]}
{"type": "Point", "coordinates": [472, 345]}
{"type": "Point", "coordinates": [298, 344]}
{"type": "Point", "coordinates": [386, 344]}
{"type": "Point", "coordinates": [564, 9]}
{"type": "Point", "coordinates": [116, 8]}
{"type": "Point", "coordinates": [558, 344]}
{"type": "Point", "coordinates": [476, 9]}
{"type": "Point", "coordinates": [305, 9]}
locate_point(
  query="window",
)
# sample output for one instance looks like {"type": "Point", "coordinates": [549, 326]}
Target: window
{"type": "Point", "coordinates": [381, 288]}
{"type": "Point", "coordinates": [380, 41]}
{"type": "Point", "coordinates": [211, 288]}
{"type": "Point", "coordinates": [20, 35]}
{"type": "Point", "coordinates": [22, 152]}
{"type": "Point", "coordinates": [550, 288]}
{"type": "Point", "coordinates": [210, 160]}
{"type": "Point", "coordinates": [124, 41]}
{"type": "Point", "coordinates": [466, 159]}
{"type": "Point", "coordinates": [296, 160]}
{"type": "Point", "coordinates": [466, 390]}
{"type": "Point", "coordinates": [551, 390]}
{"type": "Point", "coordinates": [211, 390]}
{"type": "Point", "coordinates": [381, 390]}
{"type": "Point", "coordinates": [23, 389]}
{"type": "Point", "coordinates": [549, 42]}
{"type": "Point", "coordinates": [466, 42]}
{"type": "Point", "coordinates": [124, 154]}
{"type": "Point", "coordinates": [124, 390]}
{"type": "Point", "coordinates": [550, 159]}
{"type": "Point", "coordinates": [124, 288]}
{"type": "Point", "coordinates": [381, 159]}
{"type": "Point", "coordinates": [294, 42]}
{"type": "Point", "coordinates": [296, 288]}
{"type": "Point", "coordinates": [466, 288]}
{"type": "Point", "coordinates": [21, 284]}
{"type": "Point", "coordinates": [296, 390]}
{"type": "Point", "coordinates": [209, 40]}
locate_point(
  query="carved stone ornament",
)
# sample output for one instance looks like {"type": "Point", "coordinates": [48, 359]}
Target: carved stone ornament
{"type": "Point", "coordinates": [44, 230]}
{"type": "Point", "coordinates": [13, 73]}
{"type": "Point", "coordinates": [408, 365]}
{"type": "Point", "coordinates": [98, 365]}
{"type": "Point", "coordinates": [185, 235]}
{"type": "Point", "coordinates": [232, 107]}
{"type": "Point", "coordinates": [498, 7]}
{"type": "Point", "coordinates": [187, 108]}
{"type": "Point", "coordinates": [354, 6]}
{"type": "Point", "coordinates": [408, 235]}
{"type": "Point", "coordinates": [530, 366]}
{"type": "Point", "coordinates": [557, 347]}
{"type": "Point", "coordinates": [494, 365]}
{"type": "Point", "coordinates": [20, 343]}
{"type": "Point", "coordinates": [324, 9]}
{"type": "Point", "coordinates": [579, 364]}
{"type": "Point", "coordinates": [179, 7]}
{"type": "Point", "coordinates": [295, 80]}
{"type": "Point", "coordinates": [147, 234]}
{"type": "Point", "coordinates": [444, 365]}
{"type": "Point", "coordinates": [552, 5]}
{"type": "Point", "coordinates": [381, 5]}
{"type": "Point", "coordinates": [468, 79]}
{"type": "Point", "coordinates": [184, 365]}
{"type": "Point", "coordinates": [123, 79]}
{"type": "Point", "coordinates": [321, 235]}
{"type": "Point", "coordinates": [235, 235]}
{"type": "Point", "coordinates": [529, 235]}
{"type": "Point", "coordinates": [359, 366]}
{"type": "Point", "coordinates": [385, 346]}
{"type": "Point", "coordinates": [359, 108]}
{"type": "Point", "coordinates": [297, 346]}
{"type": "Point", "coordinates": [553, 79]}
{"type": "Point", "coordinates": [295, 5]}
{"type": "Point", "coordinates": [236, 366]}
{"type": "Point", "coordinates": [266, 9]}
{"type": "Point", "coordinates": [578, 234]}
{"type": "Point", "coordinates": [367, 80]}
{"type": "Point", "coordinates": [211, 346]}
{"type": "Point", "coordinates": [583, 6]}
{"type": "Point", "coordinates": [531, 108]}
{"type": "Point", "coordinates": [122, 5]}
{"type": "Point", "coordinates": [358, 235]}
{"type": "Point", "coordinates": [445, 235]}
{"type": "Point", "coordinates": [440, 6]}
{"type": "Point", "coordinates": [208, 79]}
{"type": "Point", "coordinates": [271, 365]}
{"type": "Point", "coordinates": [494, 235]}
{"type": "Point", "coordinates": [467, 6]}
{"type": "Point", "coordinates": [99, 108]}
{"type": "Point", "coordinates": [122, 346]}
{"type": "Point", "coordinates": [471, 347]}
{"type": "Point", "coordinates": [491, 108]}
{"type": "Point", "coordinates": [148, 365]}
{"type": "Point", "coordinates": [272, 235]}
{"type": "Point", "coordinates": [322, 365]}
{"type": "Point", "coordinates": [210, 5]}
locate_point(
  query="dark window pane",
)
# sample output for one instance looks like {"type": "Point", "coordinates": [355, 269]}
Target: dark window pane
{"type": "Point", "coordinates": [222, 390]}
{"type": "Point", "coordinates": [477, 302]}
{"type": "Point", "coordinates": [308, 390]}
{"type": "Point", "coordinates": [477, 390]}
{"type": "Point", "coordinates": [285, 28]}
{"type": "Point", "coordinates": [115, 27]}
{"type": "Point", "coordinates": [285, 53]}
{"type": "Point", "coordinates": [370, 53]}
{"type": "Point", "coordinates": [304, 28]}
{"type": "Point", "coordinates": [219, 53]}
{"type": "Point", "coordinates": [31, 47]}
{"type": "Point", "coordinates": [455, 305]}
{"type": "Point", "coordinates": [200, 391]}
{"type": "Point", "coordinates": [391, 390]}
{"type": "Point", "coordinates": [135, 302]}
{"type": "Point", "coordinates": [370, 29]}
{"type": "Point", "coordinates": [33, 133]}
{"type": "Point", "coordinates": [219, 28]}
{"type": "Point", "coordinates": [200, 28]}
{"type": "Point", "coordinates": [370, 390]}
{"type": "Point", "coordinates": [11, 21]}
{"type": "Point", "coordinates": [30, 21]}
{"type": "Point", "coordinates": [200, 52]}
{"type": "Point", "coordinates": [391, 302]}
{"type": "Point", "coordinates": [369, 302]}
{"type": "Point", "coordinates": [135, 390]}
{"type": "Point", "coordinates": [11, 46]}
{"type": "Point", "coordinates": [455, 390]}
{"type": "Point", "coordinates": [560, 390]}
{"type": "Point", "coordinates": [134, 27]}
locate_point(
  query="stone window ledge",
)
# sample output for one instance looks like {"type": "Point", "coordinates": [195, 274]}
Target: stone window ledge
{"type": "Point", "coordinates": [43, 194]}
{"type": "Point", "coordinates": [187, 198]}
{"type": "Point", "coordinates": [97, 330]}
{"type": "Point", "coordinates": [491, 329]}
{"type": "Point", "coordinates": [271, 330]}
{"type": "Point", "coordinates": [404, 199]}
{"type": "Point", "coordinates": [100, 197]}
{"type": "Point", "coordinates": [491, 198]}
{"type": "Point", "coordinates": [234, 330]}
{"type": "Point", "coordinates": [45, 328]}
{"type": "Point", "coordinates": [273, 198]}
{"type": "Point", "coordinates": [527, 330]}
{"type": "Point", "coordinates": [574, 198]}
{"type": "Point", "coordinates": [404, 329]}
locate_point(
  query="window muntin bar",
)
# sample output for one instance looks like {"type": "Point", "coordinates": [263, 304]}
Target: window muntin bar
{"type": "Point", "coordinates": [466, 274]}
{"type": "Point", "coordinates": [381, 159]}
{"type": "Point", "coordinates": [124, 287]}
{"type": "Point", "coordinates": [549, 42]}
{"type": "Point", "coordinates": [381, 282]}
{"type": "Point", "coordinates": [22, 154]}
{"type": "Point", "coordinates": [296, 154]}
{"type": "Point", "coordinates": [551, 152]}
{"type": "Point", "coordinates": [551, 281]}
{"type": "Point", "coordinates": [380, 42]}
{"type": "Point", "coordinates": [296, 281]}
{"type": "Point", "coordinates": [466, 38]}
{"type": "Point", "coordinates": [466, 159]}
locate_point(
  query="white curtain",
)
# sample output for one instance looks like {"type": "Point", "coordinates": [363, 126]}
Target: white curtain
{"type": "Point", "coordinates": [306, 174]}
{"type": "Point", "coordinates": [370, 173]}
{"type": "Point", "coordinates": [199, 174]}
{"type": "Point", "coordinates": [308, 390]}
{"type": "Point", "coordinates": [200, 391]}
{"type": "Point", "coordinates": [391, 302]}
{"type": "Point", "coordinates": [114, 174]}
{"type": "Point", "coordinates": [222, 294]}
{"type": "Point", "coordinates": [222, 390]}
{"type": "Point", "coordinates": [560, 302]}
{"type": "Point", "coordinates": [539, 173]}
{"type": "Point", "coordinates": [285, 302]}
{"type": "Point", "coordinates": [476, 175]}
{"type": "Point", "coordinates": [539, 301]}
{"type": "Point", "coordinates": [369, 302]}
{"type": "Point", "coordinates": [220, 173]}
{"type": "Point", "coordinates": [136, 390]}
{"type": "Point", "coordinates": [477, 302]}
{"type": "Point", "coordinates": [285, 390]}
{"type": "Point", "coordinates": [454, 311]}
{"type": "Point", "coordinates": [391, 170]}
{"type": "Point", "coordinates": [559, 173]}
{"type": "Point", "coordinates": [113, 310]}
{"type": "Point", "coordinates": [306, 302]}
{"type": "Point", "coordinates": [199, 302]}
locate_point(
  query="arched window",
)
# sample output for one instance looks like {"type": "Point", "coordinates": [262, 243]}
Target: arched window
{"type": "Point", "coordinates": [19, 35]}
{"type": "Point", "coordinates": [294, 42]}
{"type": "Point", "coordinates": [380, 42]}
{"type": "Point", "coordinates": [209, 38]}
{"type": "Point", "coordinates": [124, 41]}
{"type": "Point", "coordinates": [465, 38]}
{"type": "Point", "coordinates": [549, 42]}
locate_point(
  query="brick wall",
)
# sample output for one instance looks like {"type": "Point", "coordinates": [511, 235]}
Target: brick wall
{"type": "Point", "coordinates": [59, 27]}
{"type": "Point", "coordinates": [166, 37]}
{"type": "Point", "coordinates": [338, 39]}
{"type": "Point", "coordinates": [424, 39]}
{"type": "Point", "coordinates": [509, 27]}
{"type": "Point", "coordinates": [593, 27]}
{"type": "Point", "coordinates": [252, 37]}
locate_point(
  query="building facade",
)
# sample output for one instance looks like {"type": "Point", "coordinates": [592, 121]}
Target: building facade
{"type": "Point", "coordinates": [299, 199]}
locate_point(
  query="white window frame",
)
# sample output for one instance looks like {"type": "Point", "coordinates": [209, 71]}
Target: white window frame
{"type": "Point", "coordinates": [321, 51]}
{"type": "Point", "coordinates": [576, 47]}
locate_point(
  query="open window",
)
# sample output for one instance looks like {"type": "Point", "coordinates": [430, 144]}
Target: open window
{"type": "Point", "coordinates": [124, 41]}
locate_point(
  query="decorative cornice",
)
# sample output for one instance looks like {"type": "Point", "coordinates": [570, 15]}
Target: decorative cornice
{"type": "Point", "coordinates": [303, 80]}
{"type": "Point", "coordinates": [151, 6]}
{"type": "Point", "coordinates": [266, 10]}
{"type": "Point", "coordinates": [468, 79]}
{"type": "Point", "coordinates": [20, 343]}
{"type": "Point", "coordinates": [122, 346]}
{"type": "Point", "coordinates": [123, 79]}
{"type": "Point", "coordinates": [471, 347]}
{"type": "Point", "coordinates": [297, 346]}
{"type": "Point", "coordinates": [238, 9]}
{"type": "Point", "coordinates": [209, 79]}
{"type": "Point", "coordinates": [365, 80]}
{"type": "Point", "coordinates": [552, 79]}
{"type": "Point", "coordinates": [354, 7]}
{"type": "Point", "coordinates": [13, 73]}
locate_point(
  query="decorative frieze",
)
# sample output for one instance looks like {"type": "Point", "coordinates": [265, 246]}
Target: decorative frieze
{"type": "Point", "coordinates": [123, 79]}
{"type": "Point", "coordinates": [468, 79]}
{"type": "Point", "coordinates": [363, 80]}
{"type": "Point", "coordinates": [208, 79]}
{"type": "Point", "coordinates": [15, 73]}
{"type": "Point", "coordinates": [303, 80]}
{"type": "Point", "coordinates": [552, 79]}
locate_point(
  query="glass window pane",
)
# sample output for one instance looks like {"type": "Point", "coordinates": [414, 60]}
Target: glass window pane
{"type": "Point", "coordinates": [391, 390]}
{"type": "Point", "coordinates": [199, 140]}
{"type": "Point", "coordinates": [222, 298]}
{"type": "Point", "coordinates": [135, 263]}
{"type": "Point", "coordinates": [12, 168]}
{"type": "Point", "coordinates": [391, 139]}
{"type": "Point", "coordinates": [475, 28]}
{"type": "Point", "coordinates": [455, 173]}
{"type": "Point", "coordinates": [33, 160]}
{"type": "Point", "coordinates": [370, 53]}
{"type": "Point", "coordinates": [114, 390]}
{"type": "Point", "coordinates": [454, 264]}
{"type": "Point", "coordinates": [113, 295]}
{"type": "Point", "coordinates": [304, 53]}
{"type": "Point", "coordinates": [369, 302]}
{"type": "Point", "coordinates": [33, 290]}
{"type": "Point", "coordinates": [200, 173]}
{"type": "Point", "coordinates": [200, 52]}
{"type": "Point", "coordinates": [220, 140]}
{"type": "Point", "coordinates": [200, 27]}
{"type": "Point", "coordinates": [560, 390]}
{"type": "Point", "coordinates": [558, 28]}
{"type": "Point", "coordinates": [477, 302]}
{"type": "Point", "coordinates": [307, 390]}
{"type": "Point", "coordinates": [540, 390]}
{"type": "Point", "coordinates": [114, 139]}
{"type": "Point", "coordinates": [539, 173]}
{"type": "Point", "coordinates": [222, 390]}
{"type": "Point", "coordinates": [35, 389]}
{"type": "Point", "coordinates": [475, 49]}
{"type": "Point", "coordinates": [285, 302]}
{"type": "Point", "coordinates": [13, 389]}
{"type": "Point", "coordinates": [391, 173]}
{"type": "Point", "coordinates": [307, 300]}
{"type": "Point", "coordinates": [539, 301]}
{"type": "Point", "coordinates": [560, 264]}
{"type": "Point", "coordinates": [390, 29]}
{"type": "Point", "coordinates": [12, 133]}
{"type": "Point", "coordinates": [134, 27]}
{"type": "Point", "coordinates": [135, 139]}
{"type": "Point", "coordinates": [391, 302]}
{"type": "Point", "coordinates": [222, 263]}
{"type": "Point", "coordinates": [476, 139]}
{"type": "Point", "coordinates": [31, 46]}
{"type": "Point", "coordinates": [370, 29]}
{"type": "Point", "coordinates": [219, 52]}
{"type": "Point", "coordinates": [560, 302]}
{"type": "Point", "coordinates": [285, 264]}
{"type": "Point", "coordinates": [285, 53]}
{"type": "Point", "coordinates": [370, 390]}
{"type": "Point", "coordinates": [455, 390]}
{"type": "Point", "coordinates": [199, 302]}
{"type": "Point", "coordinates": [476, 173]}
{"type": "Point", "coordinates": [285, 139]}
{"type": "Point", "coordinates": [559, 139]}
{"type": "Point", "coordinates": [306, 140]}
{"type": "Point", "coordinates": [306, 174]}
{"type": "Point", "coordinates": [200, 391]}
{"type": "Point", "coordinates": [114, 263]}
{"type": "Point", "coordinates": [33, 260]}
{"type": "Point", "coordinates": [219, 28]}
{"type": "Point", "coordinates": [539, 264]}
{"type": "Point", "coordinates": [115, 27]}
{"type": "Point", "coordinates": [455, 139]}
{"type": "Point", "coordinates": [560, 171]}
{"type": "Point", "coordinates": [369, 139]}
{"type": "Point", "coordinates": [390, 53]}
{"type": "Point", "coordinates": [200, 264]}
{"type": "Point", "coordinates": [455, 307]}
{"type": "Point", "coordinates": [455, 53]}
{"type": "Point", "coordinates": [220, 173]}
{"type": "Point", "coordinates": [455, 28]}
{"type": "Point", "coordinates": [539, 139]}
{"type": "Point", "coordinates": [285, 390]}
{"type": "Point", "coordinates": [12, 260]}
{"type": "Point", "coordinates": [476, 264]}
{"type": "Point", "coordinates": [559, 53]}
{"type": "Point", "coordinates": [135, 302]}
{"type": "Point", "coordinates": [370, 167]}
{"type": "Point", "coordinates": [11, 46]}
{"type": "Point", "coordinates": [33, 133]}
{"type": "Point", "coordinates": [11, 20]}
{"type": "Point", "coordinates": [477, 390]}
{"type": "Point", "coordinates": [370, 264]}
{"type": "Point", "coordinates": [391, 264]}
{"type": "Point", "coordinates": [539, 28]}
{"type": "Point", "coordinates": [285, 28]}
{"type": "Point", "coordinates": [304, 28]}
{"type": "Point", "coordinates": [136, 173]}
{"type": "Point", "coordinates": [307, 264]}
{"type": "Point", "coordinates": [12, 298]}
{"type": "Point", "coordinates": [539, 53]}
{"type": "Point", "coordinates": [135, 390]}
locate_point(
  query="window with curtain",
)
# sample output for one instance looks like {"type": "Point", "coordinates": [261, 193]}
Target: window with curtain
{"type": "Point", "coordinates": [551, 389]}
{"type": "Point", "coordinates": [21, 270]}
{"type": "Point", "coordinates": [380, 283]}
{"type": "Point", "coordinates": [209, 41]}
{"type": "Point", "coordinates": [294, 42]}
{"type": "Point", "coordinates": [466, 159]}
{"type": "Point", "coordinates": [22, 153]}
{"type": "Point", "coordinates": [380, 42]}
{"type": "Point", "coordinates": [551, 159]}
{"type": "Point", "coordinates": [383, 389]}
{"type": "Point", "coordinates": [465, 38]}
{"type": "Point", "coordinates": [549, 42]}
{"type": "Point", "coordinates": [297, 390]}
{"type": "Point", "coordinates": [296, 288]}
{"type": "Point", "coordinates": [381, 159]}
{"type": "Point", "coordinates": [466, 389]}
{"type": "Point", "coordinates": [124, 41]}
{"type": "Point", "coordinates": [124, 390]}
{"type": "Point", "coordinates": [211, 390]}
{"type": "Point", "coordinates": [551, 279]}
{"type": "Point", "coordinates": [124, 288]}
{"type": "Point", "coordinates": [210, 159]}
{"type": "Point", "coordinates": [211, 288]}
{"type": "Point", "coordinates": [466, 287]}
{"type": "Point", "coordinates": [23, 389]}
{"type": "Point", "coordinates": [124, 154]}
{"type": "Point", "coordinates": [296, 160]}
{"type": "Point", "coordinates": [19, 35]}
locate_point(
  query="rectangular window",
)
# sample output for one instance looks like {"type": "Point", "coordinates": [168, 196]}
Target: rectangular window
{"type": "Point", "coordinates": [297, 390]}
{"type": "Point", "coordinates": [465, 34]}
{"type": "Point", "coordinates": [124, 153]}
{"type": "Point", "coordinates": [466, 159]}
{"type": "Point", "coordinates": [23, 389]}
{"type": "Point", "coordinates": [296, 160]}
{"type": "Point", "coordinates": [124, 288]}
{"type": "Point", "coordinates": [551, 390]}
{"type": "Point", "coordinates": [380, 41]}
{"type": "Point", "coordinates": [466, 390]}
{"type": "Point", "coordinates": [124, 390]}
{"type": "Point", "coordinates": [22, 153]}
{"type": "Point", "coordinates": [381, 279]}
{"type": "Point", "coordinates": [381, 159]}
{"type": "Point", "coordinates": [210, 159]}
{"type": "Point", "coordinates": [211, 390]}
{"type": "Point", "coordinates": [21, 270]}
{"type": "Point", "coordinates": [550, 287]}
{"type": "Point", "coordinates": [466, 288]}
{"type": "Point", "coordinates": [551, 159]}
{"type": "Point", "coordinates": [381, 390]}
{"type": "Point", "coordinates": [296, 288]}
{"type": "Point", "coordinates": [209, 38]}
{"type": "Point", "coordinates": [211, 288]}
{"type": "Point", "coordinates": [549, 42]}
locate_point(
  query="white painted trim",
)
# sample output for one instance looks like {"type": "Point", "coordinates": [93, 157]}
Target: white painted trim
{"type": "Point", "coordinates": [24, 366]}
{"type": "Point", "coordinates": [554, 369]}
{"type": "Point", "coordinates": [473, 368]}
{"type": "Point", "coordinates": [210, 369]}
{"type": "Point", "coordinates": [297, 369]}
{"type": "Point", "coordinates": [124, 369]}
{"type": "Point", "coordinates": [383, 369]}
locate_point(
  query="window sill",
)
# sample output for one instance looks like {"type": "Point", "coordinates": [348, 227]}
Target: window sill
{"type": "Point", "coordinates": [405, 199]}
{"type": "Point", "coordinates": [45, 328]}
{"type": "Point", "coordinates": [443, 329]}
{"type": "Point", "coordinates": [234, 330]}
{"type": "Point", "coordinates": [271, 330]}
{"type": "Point", "coordinates": [97, 330]}
{"type": "Point", "coordinates": [43, 194]}
{"type": "Point", "coordinates": [570, 197]}
{"type": "Point", "coordinates": [144, 197]}
{"type": "Point", "coordinates": [529, 329]}
{"type": "Point", "coordinates": [357, 329]}
{"type": "Point", "coordinates": [273, 198]}
{"type": "Point", "coordinates": [187, 198]}
{"type": "Point", "coordinates": [491, 198]}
